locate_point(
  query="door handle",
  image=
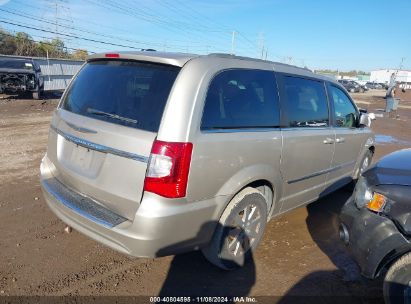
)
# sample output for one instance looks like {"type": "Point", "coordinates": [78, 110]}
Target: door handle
{"type": "Point", "coordinates": [340, 140]}
{"type": "Point", "coordinates": [328, 141]}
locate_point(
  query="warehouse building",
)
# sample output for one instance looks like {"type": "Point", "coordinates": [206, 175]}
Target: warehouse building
{"type": "Point", "coordinates": [385, 76]}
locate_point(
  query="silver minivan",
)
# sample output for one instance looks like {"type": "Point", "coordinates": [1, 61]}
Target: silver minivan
{"type": "Point", "coordinates": [154, 154]}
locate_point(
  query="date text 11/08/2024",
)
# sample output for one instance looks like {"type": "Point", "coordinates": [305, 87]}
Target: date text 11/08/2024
{"type": "Point", "coordinates": [202, 299]}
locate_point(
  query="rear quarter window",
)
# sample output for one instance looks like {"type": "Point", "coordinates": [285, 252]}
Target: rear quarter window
{"type": "Point", "coordinates": [127, 93]}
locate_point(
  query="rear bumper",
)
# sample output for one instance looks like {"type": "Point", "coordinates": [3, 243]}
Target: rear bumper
{"type": "Point", "coordinates": [371, 239]}
{"type": "Point", "coordinates": [160, 227]}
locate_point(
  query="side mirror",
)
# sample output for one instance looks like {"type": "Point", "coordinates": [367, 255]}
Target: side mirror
{"type": "Point", "coordinates": [365, 119]}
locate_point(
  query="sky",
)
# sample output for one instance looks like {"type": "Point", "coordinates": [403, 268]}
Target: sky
{"type": "Point", "coordinates": [319, 34]}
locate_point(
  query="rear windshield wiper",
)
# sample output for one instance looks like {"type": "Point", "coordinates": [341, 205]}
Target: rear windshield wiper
{"type": "Point", "coordinates": [115, 116]}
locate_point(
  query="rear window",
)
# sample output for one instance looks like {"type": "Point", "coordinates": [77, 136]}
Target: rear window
{"type": "Point", "coordinates": [128, 93]}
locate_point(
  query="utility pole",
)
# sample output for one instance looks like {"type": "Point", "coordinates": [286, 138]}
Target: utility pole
{"type": "Point", "coordinates": [260, 45]}
{"type": "Point", "coordinates": [233, 42]}
{"type": "Point", "coordinates": [402, 63]}
{"type": "Point", "coordinates": [60, 8]}
{"type": "Point", "coordinates": [392, 81]}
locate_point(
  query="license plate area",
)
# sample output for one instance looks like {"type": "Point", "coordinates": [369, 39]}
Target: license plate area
{"type": "Point", "coordinates": [78, 159]}
{"type": "Point", "coordinates": [82, 157]}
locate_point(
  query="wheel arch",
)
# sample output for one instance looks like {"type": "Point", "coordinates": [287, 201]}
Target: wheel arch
{"type": "Point", "coordinates": [390, 259]}
{"type": "Point", "coordinates": [270, 191]}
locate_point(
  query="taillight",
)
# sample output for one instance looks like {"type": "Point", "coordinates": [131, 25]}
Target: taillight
{"type": "Point", "coordinates": [112, 55]}
{"type": "Point", "coordinates": [168, 168]}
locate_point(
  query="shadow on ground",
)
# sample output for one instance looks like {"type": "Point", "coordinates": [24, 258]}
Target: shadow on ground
{"type": "Point", "coordinates": [344, 284]}
{"type": "Point", "coordinates": [192, 275]}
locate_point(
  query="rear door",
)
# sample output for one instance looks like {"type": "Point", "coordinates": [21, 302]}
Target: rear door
{"type": "Point", "coordinates": [308, 139]}
{"type": "Point", "coordinates": [102, 133]}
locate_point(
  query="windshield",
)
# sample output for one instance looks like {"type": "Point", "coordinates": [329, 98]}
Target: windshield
{"type": "Point", "coordinates": [128, 93]}
{"type": "Point", "coordinates": [16, 64]}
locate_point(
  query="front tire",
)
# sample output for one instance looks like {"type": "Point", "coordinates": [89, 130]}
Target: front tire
{"type": "Point", "coordinates": [239, 230]}
{"type": "Point", "coordinates": [365, 163]}
{"type": "Point", "coordinates": [397, 281]}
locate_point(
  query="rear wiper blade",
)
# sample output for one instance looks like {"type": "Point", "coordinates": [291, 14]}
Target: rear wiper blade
{"type": "Point", "coordinates": [115, 116]}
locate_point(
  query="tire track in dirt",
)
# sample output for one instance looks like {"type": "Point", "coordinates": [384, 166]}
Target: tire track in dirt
{"type": "Point", "coordinates": [97, 279]}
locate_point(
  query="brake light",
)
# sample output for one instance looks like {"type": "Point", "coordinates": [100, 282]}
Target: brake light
{"type": "Point", "coordinates": [112, 55]}
{"type": "Point", "coordinates": [168, 168]}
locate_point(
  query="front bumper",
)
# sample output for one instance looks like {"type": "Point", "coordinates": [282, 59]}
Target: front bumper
{"type": "Point", "coordinates": [159, 227]}
{"type": "Point", "coordinates": [372, 239]}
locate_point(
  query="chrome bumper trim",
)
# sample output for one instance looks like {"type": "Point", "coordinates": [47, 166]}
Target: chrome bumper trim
{"type": "Point", "coordinates": [82, 204]}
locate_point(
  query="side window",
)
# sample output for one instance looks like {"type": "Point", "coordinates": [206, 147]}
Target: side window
{"type": "Point", "coordinates": [307, 104]}
{"type": "Point", "coordinates": [345, 113]}
{"type": "Point", "coordinates": [241, 99]}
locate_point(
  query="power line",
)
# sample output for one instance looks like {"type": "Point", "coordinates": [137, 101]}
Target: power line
{"type": "Point", "coordinates": [32, 17]}
{"type": "Point", "coordinates": [72, 36]}
{"type": "Point", "coordinates": [140, 14]}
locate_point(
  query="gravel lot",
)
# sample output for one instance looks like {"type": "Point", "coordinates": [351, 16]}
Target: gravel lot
{"type": "Point", "coordinates": [300, 254]}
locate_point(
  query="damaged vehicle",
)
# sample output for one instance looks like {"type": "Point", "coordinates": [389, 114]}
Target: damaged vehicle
{"type": "Point", "coordinates": [21, 76]}
{"type": "Point", "coordinates": [155, 154]}
{"type": "Point", "coordinates": [376, 224]}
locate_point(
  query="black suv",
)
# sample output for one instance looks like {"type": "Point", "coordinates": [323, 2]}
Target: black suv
{"type": "Point", "coordinates": [18, 75]}
{"type": "Point", "coordinates": [350, 85]}
{"type": "Point", "coordinates": [376, 224]}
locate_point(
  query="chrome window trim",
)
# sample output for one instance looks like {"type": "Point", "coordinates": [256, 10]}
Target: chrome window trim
{"type": "Point", "coordinates": [239, 130]}
{"type": "Point", "coordinates": [100, 148]}
{"type": "Point", "coordinates": [306, 128]}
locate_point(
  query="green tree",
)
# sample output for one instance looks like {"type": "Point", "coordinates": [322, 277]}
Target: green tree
{"type": "Point", "coordinates": [7, 43]}
{"type": "Point", "coordinates": [24, 44]}
{"type": "Point", "coordinates": [79, 54]}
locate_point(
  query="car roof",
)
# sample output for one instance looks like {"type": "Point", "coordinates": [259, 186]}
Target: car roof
{"type": "Point", "coordinates": [180, 59]}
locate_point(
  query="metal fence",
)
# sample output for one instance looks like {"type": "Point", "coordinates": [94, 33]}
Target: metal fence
{"type": "Point", "coordinates": [57, 73]}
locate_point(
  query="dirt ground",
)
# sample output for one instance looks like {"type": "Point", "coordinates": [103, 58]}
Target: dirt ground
{"type": "Point", "coordinates": [300, 254]}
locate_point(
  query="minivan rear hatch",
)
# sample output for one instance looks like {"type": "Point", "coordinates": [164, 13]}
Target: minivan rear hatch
{"type": "Point", "coordinates": [104, 128]}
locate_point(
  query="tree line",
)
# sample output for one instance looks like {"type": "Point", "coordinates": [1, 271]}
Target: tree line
{"type": "Point", "coordinates": [22, 44]}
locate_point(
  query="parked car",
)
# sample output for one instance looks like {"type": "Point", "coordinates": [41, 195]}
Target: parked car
{"type": "Point", "coordinates": [376, 224]}
{"type": "Point", "coordinates": [20, 76]}
{"type": "Point", "coordinates": [374, 85]}
{"type": "Point", "coordinates": [158, 153]}
{"type": "Point", "coordinates": [383, 85]}
{"type": "Point", "coordinates": [363, 88]}
{"type": "Point", "coordinates": [349, 85]}
{"type": "Point", "coordinates": [370, 85]}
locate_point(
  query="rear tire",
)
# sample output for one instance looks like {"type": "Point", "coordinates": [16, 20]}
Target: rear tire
{"type": "Point", "coordinates": [239, 231]}
{"type": "Point", "coordinates": [397, 281]}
